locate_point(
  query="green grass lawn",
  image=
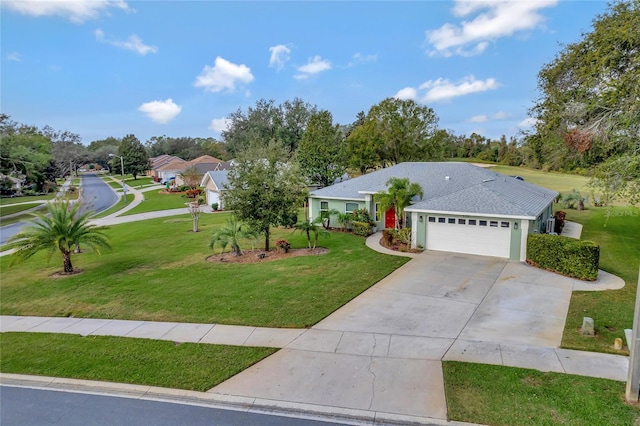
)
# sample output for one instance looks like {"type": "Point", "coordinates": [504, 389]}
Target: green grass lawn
{"type": "Point", "coordinates": [619, 240]}
{"type": "Point", "coordinates": [560, 182]}
{"type": "Point", "coordinates": [119, 205]}
{"type": "Point", "coordinates": [17, 208]}
{"type": "Point", "coordinates": [189, 366]}
{"type": "Point", "coordinates": [158, 271]}
{"type": "Point", "coordinates": [157, 200]}
{"type": "Point", "coordinates": [505, 396]}
{"type": "Point", "coordinates": [4, 201]}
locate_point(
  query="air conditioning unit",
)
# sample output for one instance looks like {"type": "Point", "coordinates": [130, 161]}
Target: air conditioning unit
{"type": "Point", "coordinates": [551, 226]}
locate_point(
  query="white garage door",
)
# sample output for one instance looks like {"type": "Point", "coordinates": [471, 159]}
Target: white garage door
{"type": "Point", "coordinates": [212, 197]}
{"type": "Point", "coordinates": [471, 236]}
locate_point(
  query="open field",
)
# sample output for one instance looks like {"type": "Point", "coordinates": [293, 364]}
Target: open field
{"type": "Point", "coordinates": [505, 396]}
{"type": "Point", "coordinates": [560, 182]}
{"type": "Point", "coordinates": [189, 366]}
{"type": "Point", "coordinates": [618, 234]}
{"type": "Point", "coordinates": [158, 271]}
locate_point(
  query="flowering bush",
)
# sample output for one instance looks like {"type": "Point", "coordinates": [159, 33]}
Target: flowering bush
{"type": "Point", "coordinates": [283, 246]}
{"type": "Point", "coordinates": [362, 215]}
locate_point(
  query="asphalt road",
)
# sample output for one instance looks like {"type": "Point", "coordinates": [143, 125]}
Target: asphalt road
{"type": "Point", "coordinates": [97, 196]}
{"type": "Point", "coordinates": [35, 407]}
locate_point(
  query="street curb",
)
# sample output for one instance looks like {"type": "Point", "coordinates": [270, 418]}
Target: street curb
{"type": "Point", "coordinates": [221, 401]}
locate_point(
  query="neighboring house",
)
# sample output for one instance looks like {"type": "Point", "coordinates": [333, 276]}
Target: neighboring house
{"type": "Point", "coordinates": [170, 170]}
{"type": "Point", "coordinates": [155, 163]}
{"type": "Point", "coordinates": [214, 183]}
{"type": "Point", "coordinates": [203, 164]}
{"type": "Point", "coordinates": [465, 208]}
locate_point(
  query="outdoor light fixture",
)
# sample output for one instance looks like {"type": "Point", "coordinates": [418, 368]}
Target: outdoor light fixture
{"type": "Point", "coordinates": [515, 225]}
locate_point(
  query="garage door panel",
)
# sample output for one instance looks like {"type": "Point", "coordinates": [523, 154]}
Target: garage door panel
{"type": "Point", "coordinates": [470, 239]}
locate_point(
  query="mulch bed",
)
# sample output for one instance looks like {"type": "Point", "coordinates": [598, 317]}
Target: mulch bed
{"type": "Point", "coordinates": [256, 256]}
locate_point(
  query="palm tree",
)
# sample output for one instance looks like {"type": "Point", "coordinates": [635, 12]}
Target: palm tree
{"type": "Point", "coordinates": [398, 196]}
{"type": "Point", "coordinates": [63, 228]}
{"type": "Point", "coordinates": [231, 234]}
{"type": "Point", "coordinates": [326, 217]}
{"type": "Point", "coordinates": [345, 219]}
{"type": "Point", "coordinates": [309, 228]}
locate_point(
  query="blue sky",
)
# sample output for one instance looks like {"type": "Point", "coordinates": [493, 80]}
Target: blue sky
{"type": "Point", "coordinates": [104, 68]}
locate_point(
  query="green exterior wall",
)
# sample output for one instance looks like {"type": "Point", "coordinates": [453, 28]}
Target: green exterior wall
{"type": "Point", "coordinates": [339, 205]}
{"type": "Point", "coordinates": [516, 239]}
{"type": "Point", "coordinates": [421, 237]}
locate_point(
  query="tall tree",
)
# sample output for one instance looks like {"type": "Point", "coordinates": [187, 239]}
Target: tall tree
{"type": "Point", "coordinates": [322, 150]}
{"type": "Point", "coordinates": [100, 150]}
{"type": "Point", "coordinates": [590, 101]}
{"type": "Point", "coordinates": [398, 196]}
{"type": "Point", "coordinates": [263, 191]}
{"type": "Point", "coordinates": [405, 130]}
{"type": "Point", "coordinates": [62, 229]}
{"type": "Point", "coordinates": [267, 122]}
{"type": "Point", "coordinates": [134, 156]}
{"type": "Point", "coordinates": [364, 145]}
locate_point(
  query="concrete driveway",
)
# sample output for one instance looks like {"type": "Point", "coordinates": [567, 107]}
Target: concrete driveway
{"type": "Point", "coordinates": [382, 351]}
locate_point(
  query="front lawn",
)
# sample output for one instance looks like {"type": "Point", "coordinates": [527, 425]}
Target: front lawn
{"type": "Point", "coordinates": [17, 208]}
{"type": "Point", "coordinates": [158, 200]}
{"type": "Point", "coordinates": [119, 205]}
{"type": "Point", "coordinates": [191, 366]}
{"type": "Point", "coordinates": [26, 198]}
{"type": "Point", "coordinates": [506, 396]}
{"type": "Point", "coordinates": [612, 311]}
{"type": "Point", "coordinates": [158, 271]}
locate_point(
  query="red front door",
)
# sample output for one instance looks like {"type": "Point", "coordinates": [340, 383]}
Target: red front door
{"type": "Point", "coordinates": [390, 218]}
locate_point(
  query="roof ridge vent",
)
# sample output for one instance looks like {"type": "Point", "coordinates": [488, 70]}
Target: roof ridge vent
{"type": "Point", "coordinates": [447, 178]}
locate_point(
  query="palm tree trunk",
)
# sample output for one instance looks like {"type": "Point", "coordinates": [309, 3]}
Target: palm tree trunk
{"type": "Point", "coordinates": [66, 260]}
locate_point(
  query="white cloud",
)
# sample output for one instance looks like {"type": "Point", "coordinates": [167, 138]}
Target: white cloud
{"type": "Point", "coordinates": [495, 19]}
{"type": "Point", "coordinates": [359, 58]}
{"type": "Point", "coordinates": [133, 43]}
{"type": "Point", "coordinates": [219, 124]}
{"type": "Point", "coordinates": [279, 56]}
{"type": "Point", "coordinates": [406, 93]}
{"type": "Point", "coordinates": [223, 75]}
{"type": "Point", "coordinates": [76, 11]}
{"type": "Point", "coordinates": [528, 122]}
{"type": "Point", "coordinates": [15, 57]}
{"type": "Point", "coordinates": [314, 66]}
{"type": "Point", "coordinates": [160, 111]}
{"type": "Point", "coordinates": [500, 115]}
{"type": "Point", "coordinates": [443, 90]}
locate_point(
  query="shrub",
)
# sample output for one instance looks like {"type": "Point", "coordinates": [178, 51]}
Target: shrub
{"type": "Point", "coordinates": [193, 193]}
{"type": "Point", "coordinates": [389, 235]}
{"type": "Point", "coordinates": [283, 246]}
{"type": "Point", "coordinates": [564, 255]}
{"type": "Point", "coordinates": [404, 236]}
{"type": "Point", "coordinates": [362, 215]}
{"type": "Point", "coordinates": [214, 206]}
{"type": "Point", "coordinates": [362, 228]}
{"type": "Point", "coordinates": [559, 223]}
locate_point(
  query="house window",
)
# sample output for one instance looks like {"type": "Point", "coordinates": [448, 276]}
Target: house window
{"type": "Point", "coordinates": [493, 224]}
{"type": "Point", "coordinates": [350, 207]}
{"type": "Point", "coordinates": [441, 220]}
{"type": "Point", "coordinates": [483, 223]}
{"type": "Point", "coordinates": [472, 222]}
{"type": "Point", "coordinates": [462, 221]}
{"type": "Point", "coordinates": [504, 224]}
{"type": "Point", "coordinates": [324, 206]}
{"type": "Point", "coordinates": [376, 206]}
{"type": "Point", "coordinates": [451, 220]}
{"type": "Point", "coordinates": [432, 219]}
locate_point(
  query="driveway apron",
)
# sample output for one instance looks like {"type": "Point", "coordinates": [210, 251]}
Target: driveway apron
{"type": "Point", "coordinates": [382, 351]}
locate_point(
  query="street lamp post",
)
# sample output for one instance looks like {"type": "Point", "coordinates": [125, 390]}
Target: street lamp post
{"type": "Point", "coordinates": [124, 187]}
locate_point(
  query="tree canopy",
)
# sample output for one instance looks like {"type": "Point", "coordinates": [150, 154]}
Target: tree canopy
{"type": "Point", "coordinates": [263, 191]}
{"type": "Point", "coordinates": [322, 150]}
{"type": "Point", "coordinates": [134, 155]}
{"type": "Point", "coordinates": [590, 97]}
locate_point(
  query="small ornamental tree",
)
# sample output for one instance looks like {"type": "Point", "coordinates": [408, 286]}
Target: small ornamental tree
{"type": "Point", "coordinates": [62, 229]}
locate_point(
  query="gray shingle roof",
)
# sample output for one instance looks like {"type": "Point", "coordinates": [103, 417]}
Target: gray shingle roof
{"type": "Point", "coordinates": [469, 189]}
{"type": "Point", "coordinates": [219, 177]}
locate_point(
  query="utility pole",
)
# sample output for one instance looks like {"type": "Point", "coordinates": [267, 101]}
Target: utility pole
{"type": "Point", "coordinates": [633, 376]}
{"type": "Point", "coordinates": [124, 186]}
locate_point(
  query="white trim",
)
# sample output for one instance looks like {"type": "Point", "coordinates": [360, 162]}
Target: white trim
{"type": "Point", "coordinates": [335, 198]}
{"type": "Point", "coordinates": [440, 212]}
{"type": "Point", "coordinates": [414, 230]}
{"type": "Point", "coordinates": [524, 229]}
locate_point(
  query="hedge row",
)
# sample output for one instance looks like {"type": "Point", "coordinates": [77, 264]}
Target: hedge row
{"type": "Point", "coordinates": [361, 228]}
{"type": "Point", "coordinates": [564, 255]}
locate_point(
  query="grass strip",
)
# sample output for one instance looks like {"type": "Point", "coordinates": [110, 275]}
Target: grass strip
{"type": "Point", "coordinates": [17, 208]}
{"type": "Point", "coordinates": [506, 396]}
{"type": "Point", "coordinates": [158, 200]}
{"type": "Point", "coordinates": [617, 231]}
{"type": "Point", "coordinates": [119, 205]}
{"type": "Point", "coordinates": [191, 366]}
